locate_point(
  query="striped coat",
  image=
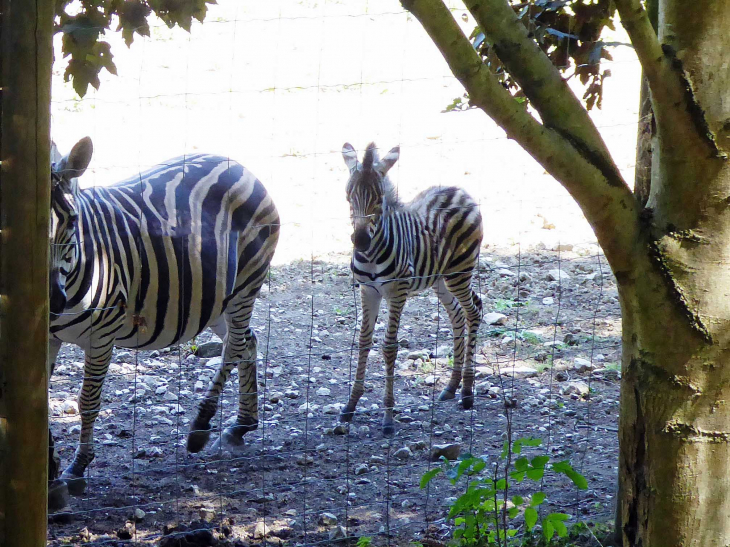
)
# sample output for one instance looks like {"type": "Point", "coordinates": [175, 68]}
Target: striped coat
{"type": "Point", "coordinates": [152, 261]}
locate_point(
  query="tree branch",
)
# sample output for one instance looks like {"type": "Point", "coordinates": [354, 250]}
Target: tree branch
{"type": "Point", "coordinates": [539, 79]}
{"type": "Point", "coordinates": [602, 194]}
{"type": "Point", "coordinates": [665, 84]}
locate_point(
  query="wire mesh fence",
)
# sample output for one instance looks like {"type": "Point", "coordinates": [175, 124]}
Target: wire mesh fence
{"type": "Point", "coordinates": [279, 87]}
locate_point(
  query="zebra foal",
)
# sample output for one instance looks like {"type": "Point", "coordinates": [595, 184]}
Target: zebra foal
{"type": "Point", "coordinates": [399, 251]}
{"type": "Point", "coordinates": [149, 263]}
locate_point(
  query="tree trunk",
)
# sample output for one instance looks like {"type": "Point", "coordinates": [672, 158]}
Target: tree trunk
{"type": "Point", "coordinates": [25, 74]}
{"type": "Point", "coordinates": [675, 416]}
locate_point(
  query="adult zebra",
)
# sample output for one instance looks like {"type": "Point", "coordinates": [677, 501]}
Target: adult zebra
{"type": "Point", "coordinates": [152, 261]}
{"type": "Point", "coordinates": [403, 249]}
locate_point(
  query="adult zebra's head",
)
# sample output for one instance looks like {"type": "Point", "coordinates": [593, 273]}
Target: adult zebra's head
{"type": "Point", "coordinates": [367, 190]}
{"type": "Point", "coordinates": [64, 219]}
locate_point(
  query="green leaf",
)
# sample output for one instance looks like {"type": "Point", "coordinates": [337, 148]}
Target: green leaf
{"type": "Point", "coordinates": [512, 512]}
{"type": "Point", "coordinates": [530, 517]}
{"type": "Point", "coordinates": [521, 464]}
{"type": "Point", "coordinates": [547, 529]}
{"type": "Point", "coordinates": [517, 475]}
{"type": "Point", "coordinates": [539, 461]}
{"type": "Point", "coordinates": [565, 468]}
{"type": "Point", "coordinates": [428, 475]}
{"type": "Point", "coordinates": [537, 498]}
{"type": "Point", "coordinates": [511, 532]}
{"type": "Point", "coordinates": [518, 500]}
{"type": "Point", "coordinates": [535, 474]}
{"type": "Point", "coordinates": [501, 484]}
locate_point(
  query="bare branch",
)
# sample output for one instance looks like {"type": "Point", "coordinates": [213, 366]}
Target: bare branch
{"type": "Point", "coordinates": [602, 194]}
{"type": "Point", "coordinates": [539, 79]}
{"type": "Point", "coordinates": [664, 82]}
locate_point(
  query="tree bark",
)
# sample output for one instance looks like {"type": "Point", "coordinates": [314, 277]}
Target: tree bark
{"type": "Point", "coordinates": [25, 74]}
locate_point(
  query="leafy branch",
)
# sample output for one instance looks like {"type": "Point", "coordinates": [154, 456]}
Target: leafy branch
{"type": "Point", "coordinates": [83, 25]}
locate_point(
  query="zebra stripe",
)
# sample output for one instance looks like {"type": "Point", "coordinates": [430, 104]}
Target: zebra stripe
{"type": "Point", "coordinates": [152, 261]}
{"type": "Point", "coordinates": [401, 250]}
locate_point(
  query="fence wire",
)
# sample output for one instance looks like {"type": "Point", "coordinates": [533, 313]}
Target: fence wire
{"type": "Point", "coordinates": [548, 350]}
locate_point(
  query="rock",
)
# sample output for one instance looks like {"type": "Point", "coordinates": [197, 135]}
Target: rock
{"type": "Point", "coordinates": [275, 397]}
{"type": "Point", "coordinates": [558, 275]}
{"type": "Point", "coordinates": [305, 459]}
{"type": "Point", "coordinates": [207, 514]}
{"type": "Point", "coordinates": [548, 301]}
{"type": "Point", "coordinates": [570, 339]}
{"type": "Point", "coordinates": [445, 351]}
{"type": "Point", "coordinates": [518, 370]}
{"type": "Point", "coordinates": [405, 504]}
{"type": "Point", "coordinates": [361, 469]}
{"type": "Point", "coordinates": [575, 387]}
{"type": "Point", "coordinates": [562, 376]}
{"type": "Point", "coordinates": [161, 390]}
{"type": "Point", "coordinates": [583, 365]}
{"type": "Point", "coordinates": [324, 391]}
{"type": "Point", "coordinates": [448, 451]}
{"type": "Point", "coordinates": [261, 530]}
{"type": "Point", "coordinates": [448, 502]}
{"type": "Point", "coordinates": [525, 277]}
{"type": "Point", "coordinates": [70, 407]}
{"type": "Point", "coordinates": [418, 445]}
{"type": "Point", "coordinates": [564, 247]}
{"type": "Point", "coordinates": [429, 380]}
{"type": "Point", "coordinates": [334, 408]}
{"type": "Point", "coordinates": [338, 533]}
{"type": "Point", "coordinates": [420, 354]}
{"type": "Point", "coordinates": [75, 429]}
{"type": "Point", "coordinates": [504, 272]}
{"type": "Point", "coordinates": [403, 453]}
{"type": "Point", "coordinates": [340, 429]}
{"type": "Point", "coordinates": [213, 348]}
{"type": "Point", "coordinates": [199, 387]}
{"type": "Point", "coordinates": [364, 430]}
{"type": "Point", "coordinates": [308, 407]}
{"type": "Point", "coordinates": [495, 318]}
{"type": "Point", "coordinates": [377, 460]}
{"type": "Point", "coordinates": [137, 515]}
{"type": "Point", "coordinates": [327, 519]}
{"type": "Point", "coordinates": [291, 394]}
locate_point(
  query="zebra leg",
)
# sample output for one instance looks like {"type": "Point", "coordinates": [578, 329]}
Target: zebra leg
{"type": "Point", "coordinates": [54, 461]}
{"type": "Point", "coordinates": [248, 402]}
{"type": "Point", "coordinates": [458, 321]}
{"type": "Point", "coordinates": [460, 287]}
{"type": "Point", "coordinates": [95, 369]}
{"type": "Point", "coordinates": [370, 307]}
{"type": "Point", "coordinates": [390, 350]}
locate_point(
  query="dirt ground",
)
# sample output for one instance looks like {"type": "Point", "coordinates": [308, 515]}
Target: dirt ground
{"type": "Point", "coordinates": [294, 468]}
{"type": "Point", "coordinates": [279, 86]}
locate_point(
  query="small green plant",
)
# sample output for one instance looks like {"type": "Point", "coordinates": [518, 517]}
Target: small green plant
{"type": "Point", "coordinates": [485, 514]}
{"type": "Point", "coordinates": [364, 541]}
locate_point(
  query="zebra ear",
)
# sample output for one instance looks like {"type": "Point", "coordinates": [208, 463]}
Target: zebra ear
{"type": "Point", "coordinates": [388, 160]}
{"type": "Point", "coordinates": [350, 156]}
{"type": "Point", "coordinates": [75, 164]}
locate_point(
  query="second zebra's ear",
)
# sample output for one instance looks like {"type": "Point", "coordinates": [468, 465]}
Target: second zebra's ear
{"type": "Point", "coordinates": [74, 165]}
{"type": "Point", "coordinates": [350, 156]}
{"type": "Point", "coordinates": [388, 160]}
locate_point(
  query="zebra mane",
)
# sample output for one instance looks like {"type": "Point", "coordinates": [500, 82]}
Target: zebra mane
{"type": "Point", "coordinates": [390, 194]}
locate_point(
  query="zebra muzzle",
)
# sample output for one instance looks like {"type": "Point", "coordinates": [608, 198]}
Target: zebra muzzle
{"type": "Point", "coordinates": [361, 240]}
{"type": "Point", "coordinates": [57, 300]}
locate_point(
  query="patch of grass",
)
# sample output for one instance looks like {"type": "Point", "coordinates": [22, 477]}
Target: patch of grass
{"type": "Point", "coordinates": [613, 365]}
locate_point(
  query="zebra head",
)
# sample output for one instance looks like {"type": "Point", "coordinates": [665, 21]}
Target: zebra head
{"type": "Point", "coordinates": [367, 190]}
{"type": "Point", "coordinates": [64, 219]}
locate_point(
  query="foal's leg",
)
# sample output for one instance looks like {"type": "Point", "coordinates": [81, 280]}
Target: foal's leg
{"type": "Point", "coordinates": [390, 350]}
{"type": "Point", "coordinates": [458, 321]}
{"type": "Point", "coordinates": [460, 286]}
{"type": "Point", "coordinates": [370, 307]}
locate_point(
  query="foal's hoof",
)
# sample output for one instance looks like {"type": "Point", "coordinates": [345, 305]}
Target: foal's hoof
{"type": "Point", "coordinates": [59, 498]}
{"type": "Point", "coordinates": [231, 440]}
{"type": "Point", "coordinates": [388, 430]}
{"type": "Point", "coordinates": [346, 417]}
{"type": "Point", "coordinates": [447, 395]}
{"type": "Point", "coordinates": [467, 401]}
{"type": "Point", "coordinates": [198, 437]}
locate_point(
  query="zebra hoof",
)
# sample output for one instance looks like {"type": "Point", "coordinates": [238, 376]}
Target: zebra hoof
{"type": "Point", "coordinates": [467, 401]}
{"type": "Point", "coordinates": [346, 417]}
{"type": "Point", "coordinates": [76, 485]}
{"type": "Point", "coordinates": [59, 498]}
{"type": "Point", "coordinates": [447, 395]}
{"type": "Point", "coordinates": [388, 430]}
{"type": "Point", "coordinates": [198, 437]}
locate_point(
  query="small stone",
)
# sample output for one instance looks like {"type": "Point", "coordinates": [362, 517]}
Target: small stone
{"type": "Point", "coordinates": [570, 339]}
{"type": "Point", "coordinates": [291, 394]}
{"type": "Point", "coordinates": [324, 391]}
{"type": "Point", "coordinates": [429, 380]}
{"type": "Point", "coordinates": [327, 519]}
{"type": "Point", "coordinates": [377, 460]}
{"type": "Point", "coordinates": [70, 407]}
{"type": "Point", "coordinates": [213, 348]}
{"type": "Point", "coordinates": [207, 514]}
{"type": "Point", "coordinates": [525, 277]}
{"type": "Point", "coordinates": [161, 390]}
{"type": "Point", "coordinates": [364, 430]}
{"type": "Point", "coordinates": [261, 530]}
{"type": "Point", "coordinates": [575, 387]}
{"type": "Point", "coordinates": [418, 445]}
{"type": "Point", "coordinates": [199, 387]}
{"type": "Point", "coordinates": [338, 533]}
{"type": "Point", "coordinates": [334, 408]}
{"type": "Point", "coordinates": [275, 397]}
{"type": "Point", "coordinates": [548, 301]}
{"type": "Point", "coordinates": [361, 469]}
{"type": "Point", "coordinates": [504, 272]}
{"type": "Point", "coordinates": [583, 365]}
{"type": "Point", "coordinates": [305, 459]}
{"type": "Point", "coordinates": [340, 429]}
{"type": "Point", "coordinates": [75, 429]}
{"type": "Point", "coordinates": [448, 502]}
{"type": "Point", "coordinates": [449, 451]}
{"type": "Point", "coordinates": [405, 504]}
{"type": "Point", "coordinates": [420, 354]}
{"type": "Point", "coordinates": [403, 453]}
{"type": "Point", "coordinates": [138, 515]}
{"type": "Point", "coordinates": [555, 275]}
{"type": "Point", "coordinates": [562, 376]}
{"type": "Point", "coordinates": [495, 318]}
